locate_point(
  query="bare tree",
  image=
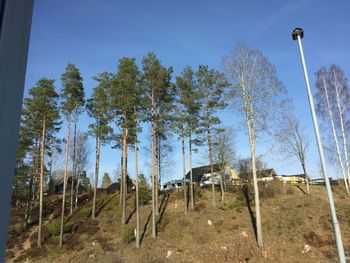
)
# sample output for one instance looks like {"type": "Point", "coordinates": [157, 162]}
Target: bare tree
{"type": "Point", "coordinates": [294, 143]}
{"type": "Point", "coordinates": [258, 94]}
{"type": "Point", "coordinates": [326, 106]}
{"type": "Point", "coordinates": [81, 159]}
{"type": "Point", "coordinates": [223, 154]}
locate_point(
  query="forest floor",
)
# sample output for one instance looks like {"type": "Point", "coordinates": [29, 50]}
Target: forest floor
{"type": "Point", "coordinates": [296, 228]}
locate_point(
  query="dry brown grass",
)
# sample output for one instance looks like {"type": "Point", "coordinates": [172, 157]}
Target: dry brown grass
{"type": "Point", "coordinates": [291, 219]}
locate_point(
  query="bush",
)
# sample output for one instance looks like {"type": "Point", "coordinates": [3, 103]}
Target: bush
{"type": "Point", "coordinates": [128, 235]}
{"type": "Point", "coordinates": [144, 195]}
{"type": "Point", "coordinates": [239, 202]}
{"type": "Point", "coordinates": [290, 190]}
{"type": "Point", "coordinates": [198, 191]}
{"type": "Point", "coordinates": [55, 227]}
{"type": "Point", "coordinates": [270, 189]}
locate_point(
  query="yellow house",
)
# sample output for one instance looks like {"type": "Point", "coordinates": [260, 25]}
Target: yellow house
{"type": "Point", "coordinates": [292, 179]}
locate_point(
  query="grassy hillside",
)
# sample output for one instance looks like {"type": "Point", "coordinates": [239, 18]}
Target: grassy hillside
{"type": "Point", "coordinates": [296, 228]}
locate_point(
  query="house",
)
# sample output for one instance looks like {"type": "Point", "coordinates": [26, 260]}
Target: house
{"type": "Point", "coordinates": [58, 186]}
{"type": "Point", "coordinates": [292, 179]}
{"type": "Point", "coordinates": [114, 187]}
{"type": "Point", "coordinates": [321, 181]}
{"type": "Point", "coordinates": [231, 177]}
{"type": "Point", "coordinates": [173, 184]}
{"type": "Point", "coordinates": [262, 175]}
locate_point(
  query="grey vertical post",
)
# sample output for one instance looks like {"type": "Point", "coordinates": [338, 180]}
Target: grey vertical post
{"type": "Point", "coordinates": [15, 23]}
{"type": "Point", "coordinates": [298, 35]}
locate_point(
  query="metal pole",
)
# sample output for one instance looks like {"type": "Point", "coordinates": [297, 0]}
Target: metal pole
{"type": "Point", "coordinates": [297, 35]}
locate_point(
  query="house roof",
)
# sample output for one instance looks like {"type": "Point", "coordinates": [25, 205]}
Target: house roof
{"type": "Point", "coordinates": [198, 172]}
{"type": "Point", "coordinates": [260, 174]}
{"type": "Point", "coordinates": [59, 181]}
{"type": "Point", "coordinates": [294, 175]}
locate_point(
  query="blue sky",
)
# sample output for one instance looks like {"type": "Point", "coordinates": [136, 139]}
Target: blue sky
{"type": "Point", "coordinates": [95, 34]}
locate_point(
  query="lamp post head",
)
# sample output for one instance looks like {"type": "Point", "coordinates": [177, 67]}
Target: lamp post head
{"type": "Point", "coordinates": [297, 32]}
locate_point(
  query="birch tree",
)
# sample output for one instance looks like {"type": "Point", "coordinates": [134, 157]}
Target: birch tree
{"type": "Point", "coordinates": [258, 95]}
{"type": "Point", "coordinates": [327, 106]}
{"type": "Point", "coordinates": [82, 152]}
{"type": "Point", "coordinates": [224, 155]}
{"type": "Point", "coordinates": [338, 83]}
{"type": "Point", "coordinates": [211, 86]}
{"type": "Point", "coordinates": [294, 143]}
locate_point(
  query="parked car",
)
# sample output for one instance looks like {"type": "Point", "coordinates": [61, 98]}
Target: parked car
{"type": "Point", "coordinates": [206, 179]}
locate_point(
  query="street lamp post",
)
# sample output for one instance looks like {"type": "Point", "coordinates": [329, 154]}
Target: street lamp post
{"type": "Point", "coordinates": [298, 34]}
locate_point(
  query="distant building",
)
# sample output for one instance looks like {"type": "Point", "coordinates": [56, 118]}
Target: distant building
{"type": "Point", "coordinates": [292, 179]}
{"type": "Point", "coordinates": [262, 175]}
{"type": "Point", "coordinates": [202, 175]}
{"type": "Point", "coordinates": [58, 186]}
{"type": "Point", "coordinates": [173, 184]}
{"type": "Point", "coordinates": [114, 187]}
{"type": "Point", "coordinates": [321, 181]}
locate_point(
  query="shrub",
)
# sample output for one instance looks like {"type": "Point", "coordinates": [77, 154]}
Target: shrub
{"type": "Point", "coordinates": [144, 195]}
{"type": "Point", "coordinates": [239, 202]}
{"type": "Point", "coordinates": [290, 190]}
{"type": "Point", "coordinates": [128, 235]}
{"type": "Point", "coordinates": [198, 191]}
{"type": "Point", "coordinates": [270, 189]}
{"type": "Point", "coordinates": [55, 227]}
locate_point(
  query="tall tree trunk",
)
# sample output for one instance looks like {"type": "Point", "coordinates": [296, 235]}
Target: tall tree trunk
{"type": "Point", "coordinates": [28, 207]}
{"type": "Point", "coordinates": [340, 159]}
{"type": "Point", "coordinates": [42, 163]}
{"type": "Point", "coordinates": [73, 172]}
{"type": "Point", "coordinates": [306, 177]}
{"type": "Point", "coordinates": [191, 181]}
{"type": "Point", "coordinates": [36, 182]}
{"type": "Point", "coordinates": [65, 181]}
{"type": "Point", "coordinates": [137, 194]}
{"type": "Point", "coordinates": [121, 186]}
{"type": "Point", "coordinates": [249, 112]}
{"type": "Point", "coordinates": [210, 151]}
{"type": "Point", "coordinates": [154, 232]}
{"type": "Point", "coordinates": [184, 169]}
{"type": "Point", "coordinates": [97, 168]}
{"type": "Point", "coordinates": [251, 132]}
{"type": "Point", "coordinates": [256, 195]}
{"type": "Point", "coordinates": [211, 168]}
{"type": "Point", "coordinates": [157, 166]}
{"type": "Point", "coordinates": [125, 152]}
{"type": "Point", "coordinates": [340, 110]}
{"type": "Point", "coordinates": [76, 191]}
{"type": "Point", "coordinates": [222, 175]}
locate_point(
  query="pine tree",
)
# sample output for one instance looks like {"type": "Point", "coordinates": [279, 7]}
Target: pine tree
{"type": "Point", "coordinates": [211, 85]}
{"type": "Point", "coordinates": [97, 108]}
{"type": "Point", "coordinates": [157, 87]}
{"type": "Point", "coordinates": [42, 105]}
{"type": "Point", "coordinates": [188, 118]}
{"type": "Point", "coordinates": [72, 99]}
{"type": "Point", "coordinates": [124, 94]}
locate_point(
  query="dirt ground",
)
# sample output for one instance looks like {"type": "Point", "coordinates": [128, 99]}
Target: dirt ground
{"type": "Point", "coordinates": [296, 228]}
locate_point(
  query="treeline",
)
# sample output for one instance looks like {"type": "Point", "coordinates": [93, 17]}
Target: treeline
{"type": "Point", "coordinates": [123, 101]}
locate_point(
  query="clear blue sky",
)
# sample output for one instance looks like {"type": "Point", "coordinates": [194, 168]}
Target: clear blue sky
{"type": "Point", "coordinates": [95, 34]}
